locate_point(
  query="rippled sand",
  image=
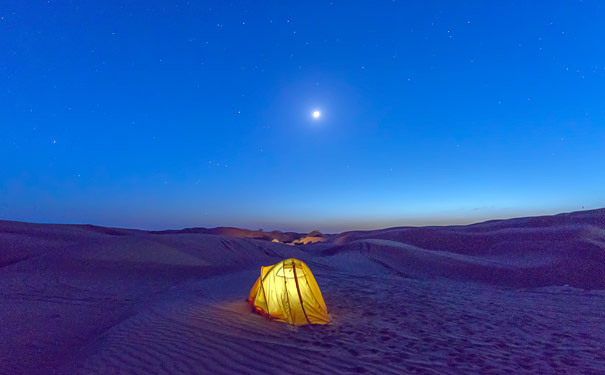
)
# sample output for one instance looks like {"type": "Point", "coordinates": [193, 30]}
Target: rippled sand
{"type": "Point", "coordinates": [88, 300]}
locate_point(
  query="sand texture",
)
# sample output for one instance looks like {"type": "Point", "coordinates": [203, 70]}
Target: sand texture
{"type": "Point", "coordinates": [516, 296]}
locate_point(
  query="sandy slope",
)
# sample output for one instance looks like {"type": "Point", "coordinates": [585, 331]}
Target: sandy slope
{"type": "Point", "coordinates": [90, 300]}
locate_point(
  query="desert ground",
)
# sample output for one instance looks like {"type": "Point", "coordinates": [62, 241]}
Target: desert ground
{"type": "Point", "coordinates": [518, 296]}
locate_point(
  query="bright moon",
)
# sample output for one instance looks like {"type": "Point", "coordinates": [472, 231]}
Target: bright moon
{"type": "Point", "coordinates": [316, 114]}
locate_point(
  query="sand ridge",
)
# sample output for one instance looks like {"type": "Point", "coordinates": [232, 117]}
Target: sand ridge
{"type": "Point", "coordinates": [91, 300]}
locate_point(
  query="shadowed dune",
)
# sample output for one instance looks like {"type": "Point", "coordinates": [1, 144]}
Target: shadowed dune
{"type": "Point", "coordinates": [513, 296]}
{"type": "Point", "coordinates": [478, 237]}
{"type": "Point", "coordinates": [539, 251]}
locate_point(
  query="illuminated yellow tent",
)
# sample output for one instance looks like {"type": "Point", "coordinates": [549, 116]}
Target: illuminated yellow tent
{"type": "Point", "coordinates": [288, 292]}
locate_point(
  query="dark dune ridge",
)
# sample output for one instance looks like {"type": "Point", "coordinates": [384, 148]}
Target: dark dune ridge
{"type": "Point", "coordinates": [533, 251]}
{"type": "Point", "coordinates": [522, 295]}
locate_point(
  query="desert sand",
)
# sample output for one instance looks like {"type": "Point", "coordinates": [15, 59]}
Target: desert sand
{"type": "Point", "coordinates": [515, 296]}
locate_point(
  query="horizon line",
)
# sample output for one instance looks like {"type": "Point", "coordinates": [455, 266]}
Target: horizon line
{"type": "Point", "coordinates": [449, 223]}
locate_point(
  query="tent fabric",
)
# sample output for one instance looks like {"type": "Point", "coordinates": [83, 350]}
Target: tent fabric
{"type": "Point", "coordinates": [288, 292]}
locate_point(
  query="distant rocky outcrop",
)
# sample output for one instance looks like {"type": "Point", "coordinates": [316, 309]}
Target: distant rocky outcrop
{"type": "Point", "coordinates": [292, 238]}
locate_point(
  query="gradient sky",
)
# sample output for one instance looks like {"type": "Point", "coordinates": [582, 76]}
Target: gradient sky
{"type": "Point", "coordinates": [195, 113]}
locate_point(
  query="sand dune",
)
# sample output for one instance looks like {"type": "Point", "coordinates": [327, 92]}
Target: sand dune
{"type": "Point", "coordinates": [284, 237]}
{"type": "Point", "coordinates": [557, 250]}
{"type": "Point", "coordinates": [516, 296]}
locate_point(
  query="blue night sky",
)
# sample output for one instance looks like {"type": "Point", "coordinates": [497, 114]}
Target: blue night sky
{"type": "Point", "coordinates": [175, 114]}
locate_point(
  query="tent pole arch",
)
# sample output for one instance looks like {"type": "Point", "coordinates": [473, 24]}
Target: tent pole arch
{"type": "Point", "coordinates": [298, 290]}
{"type": "Point", "coordinates": [263, 288]}
{"type": "Point", "coordinates": [286, 288]}
{"type": "Point", "coordinates": [313, 294]}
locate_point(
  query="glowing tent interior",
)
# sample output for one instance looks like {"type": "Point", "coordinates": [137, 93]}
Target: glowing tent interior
{"type": "Point", "coordinates": [288, 292]}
